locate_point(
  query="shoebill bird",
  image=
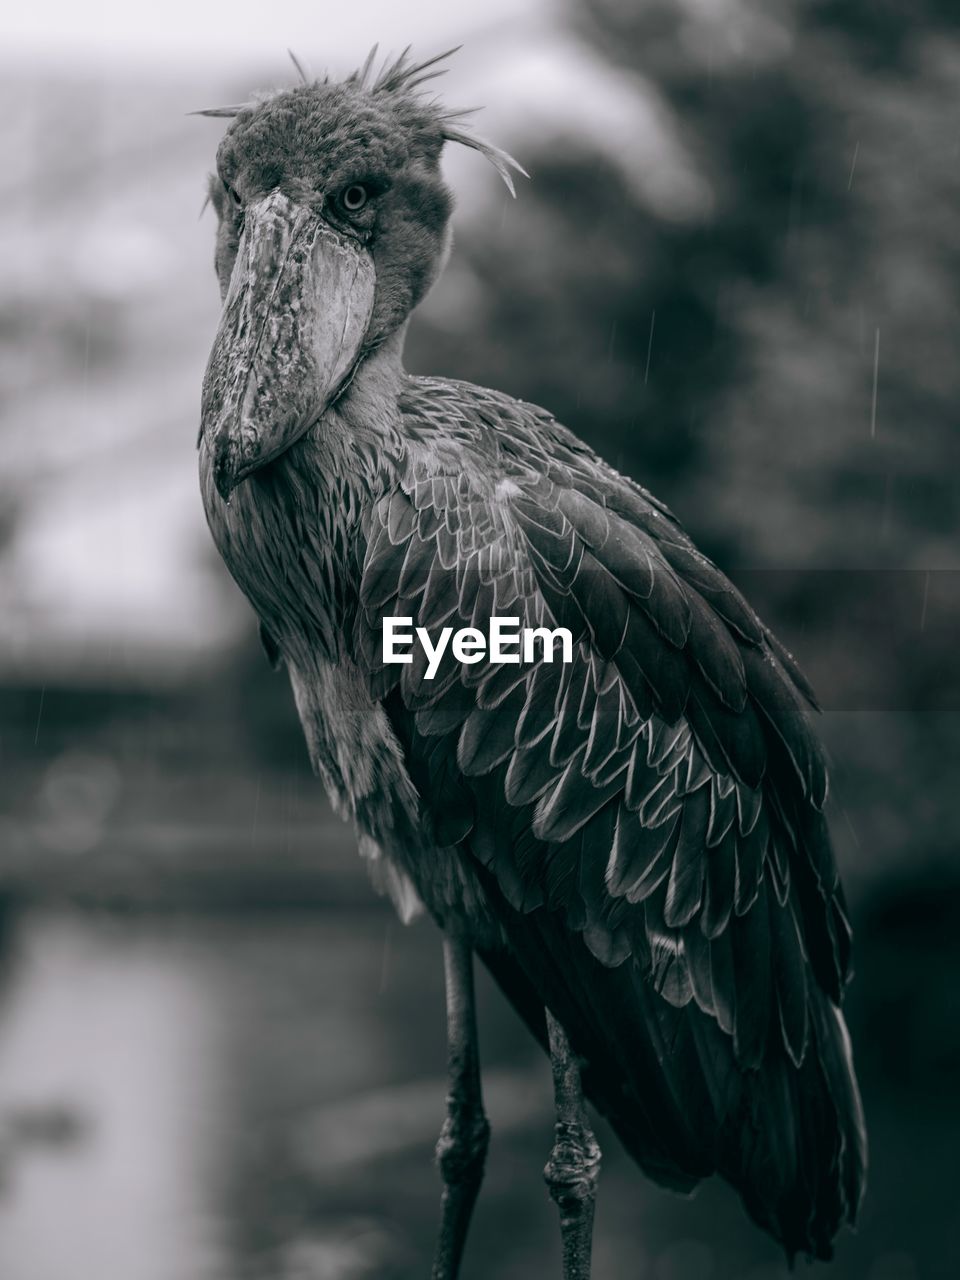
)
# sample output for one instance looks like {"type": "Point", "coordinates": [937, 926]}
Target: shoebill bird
{"type": "Point", "coordinates": [633, 841]}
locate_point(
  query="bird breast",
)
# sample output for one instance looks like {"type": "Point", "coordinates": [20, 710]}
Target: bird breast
{"type": "Point", "coordinates": [289, 536]}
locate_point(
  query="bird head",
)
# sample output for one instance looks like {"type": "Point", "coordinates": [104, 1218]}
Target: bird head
{"type": "Point", "coordinates": [332, 225]}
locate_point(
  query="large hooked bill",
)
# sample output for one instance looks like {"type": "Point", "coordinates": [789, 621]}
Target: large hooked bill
{"type": "Point", "coordinates": [291, 333]}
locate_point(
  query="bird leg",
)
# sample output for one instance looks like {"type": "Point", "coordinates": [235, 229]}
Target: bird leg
{"type": "Point", "coordinates": [462, 1148]}
{"type": "Point", "coordinates": [574, 1164]}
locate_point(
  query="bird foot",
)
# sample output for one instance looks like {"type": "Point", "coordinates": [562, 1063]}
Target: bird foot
{"type": "Point", "coordinates": [571, 1174]}
{"type": "Point", "coordinates": [573, 1169]}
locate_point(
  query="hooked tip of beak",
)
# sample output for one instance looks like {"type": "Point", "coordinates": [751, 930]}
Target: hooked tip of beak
{"type": "Point", "coordinates": [226, 468]}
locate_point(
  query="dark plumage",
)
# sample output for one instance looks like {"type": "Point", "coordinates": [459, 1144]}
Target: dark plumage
{"type": "Point", "coordinates": [634, 840]}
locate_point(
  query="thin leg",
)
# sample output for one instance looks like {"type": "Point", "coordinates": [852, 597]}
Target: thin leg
{"type": "Point", "coordinates": [462, 1148]}
{"type": "Point", "coordinates": [574, 1165]}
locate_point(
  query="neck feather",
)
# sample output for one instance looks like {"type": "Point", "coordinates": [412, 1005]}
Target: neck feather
{"type": "Point", "coordinates": [369, 406]}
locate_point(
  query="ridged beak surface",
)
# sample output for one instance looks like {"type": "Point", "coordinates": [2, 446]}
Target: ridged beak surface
{"type": "Point", "coordinates": [292, 328]}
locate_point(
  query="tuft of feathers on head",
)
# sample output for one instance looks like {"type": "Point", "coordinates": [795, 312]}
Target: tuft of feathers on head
{"type": "Point", "coordinates": [501, 160]}
{"type": "Point", "coordinates": [226, 113]}
{"type": "Point", "coordinates": [398, 76]}
{"type": "Point", "coordinates": [401, 75]}
{"type": "Point", "coordinates": [304, 78]}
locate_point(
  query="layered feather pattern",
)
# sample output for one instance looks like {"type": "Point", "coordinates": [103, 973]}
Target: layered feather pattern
{"type": "Point", "coordinates": [647, 819]}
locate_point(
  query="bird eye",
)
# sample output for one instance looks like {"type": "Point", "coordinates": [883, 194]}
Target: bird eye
{"type": "Point", "coordinates": [354, 197]}
{"type": "Point", "coordinates": [233, 193]}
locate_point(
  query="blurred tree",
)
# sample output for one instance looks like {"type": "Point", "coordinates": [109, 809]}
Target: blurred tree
{"type": "Point", "coordinates": [781, 367]}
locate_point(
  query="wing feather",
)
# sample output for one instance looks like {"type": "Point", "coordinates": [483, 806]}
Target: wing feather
{"type": "Point", "coordinates": [656, 802]}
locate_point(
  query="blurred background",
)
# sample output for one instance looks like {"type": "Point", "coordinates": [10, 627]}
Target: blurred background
{"type": "Point", "coordinates": [735, 272]}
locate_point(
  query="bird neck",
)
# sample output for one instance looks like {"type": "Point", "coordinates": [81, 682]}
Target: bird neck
{"type": "Point", "coordinates": [370, 404]}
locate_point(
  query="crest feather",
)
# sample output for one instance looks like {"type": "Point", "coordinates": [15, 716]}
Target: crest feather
{"type": "Point", "coordinates": [501, 160]}
{"type": "Point", "coordinates": [305, 79]}
{"type": "Point", "coordinates": [401, 75]}
{"type": "Point", "coordinates": [359, 78]}
{"type": "Point", "coordinates": [226, 113]}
